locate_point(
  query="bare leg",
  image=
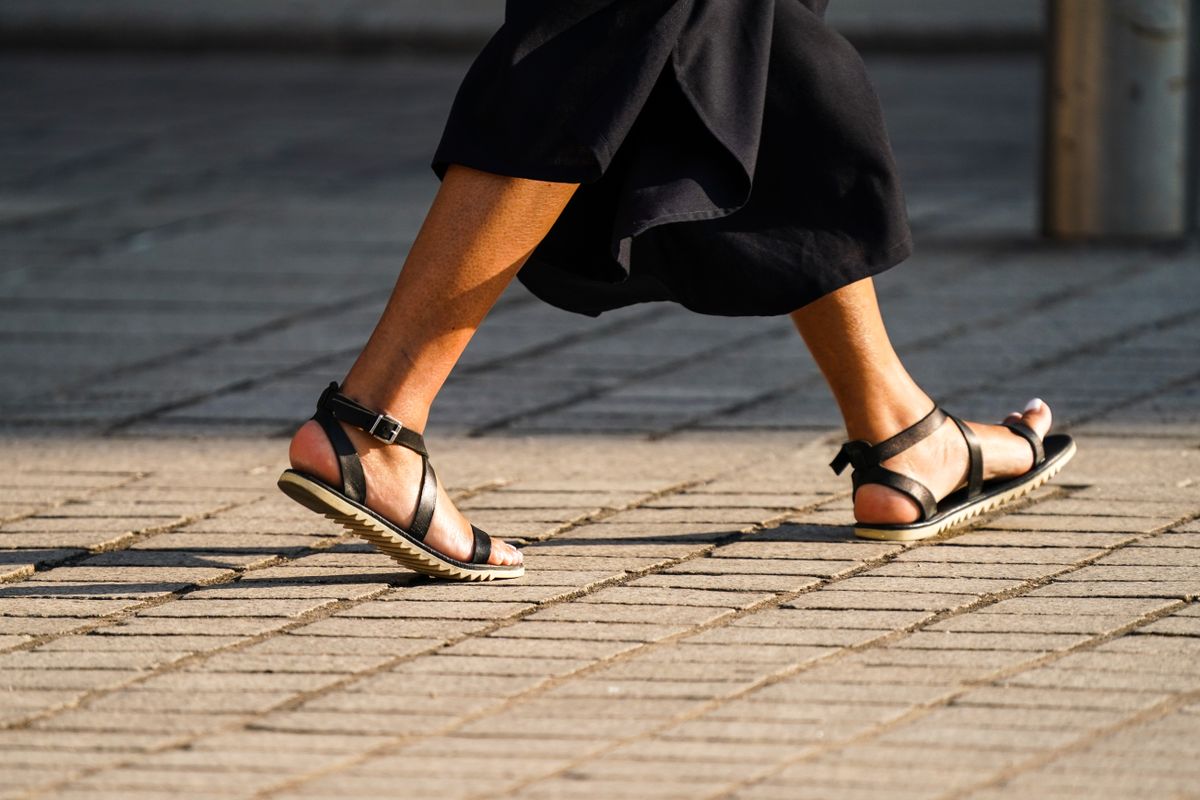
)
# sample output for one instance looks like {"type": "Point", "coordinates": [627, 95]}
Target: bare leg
{"type": "Point", "coordinates": [478, 233]}
{"type": "Point", "coordinates": [878, 398]}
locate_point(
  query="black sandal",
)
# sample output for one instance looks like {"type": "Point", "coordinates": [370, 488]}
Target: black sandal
{"type": "Point", "coordinates": [345, 506]}
{"type": "Point", "coordinates": [977, 497]}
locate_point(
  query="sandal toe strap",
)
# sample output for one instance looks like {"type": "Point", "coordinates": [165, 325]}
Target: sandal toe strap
{"type": "Point", "coordinates": [483, 546]}
{"type": "Point", "coordinates": [974, 457]}
{"type": "Point", "coordinates": [426, 503]}
{"type": "Point", "coordinates": [901, 483]}
{"type": "Point", "coordinates": [1029, 435]}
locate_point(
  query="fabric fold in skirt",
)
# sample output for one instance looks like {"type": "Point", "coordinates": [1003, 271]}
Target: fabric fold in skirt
{"type": "Point", "coordinates": [731, 153]}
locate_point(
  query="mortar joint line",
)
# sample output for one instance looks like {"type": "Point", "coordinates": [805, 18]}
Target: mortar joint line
{"type": "Point", "coordinates": [605, 663]}
{"type": "Point", "coordinates": [922, 709]}
{"type": "Point", "coordinates": [127, 479]}
{"type": "Point", "coordinates": [885, 639]}
{"type": "Point", "coordinates": [301, 697]}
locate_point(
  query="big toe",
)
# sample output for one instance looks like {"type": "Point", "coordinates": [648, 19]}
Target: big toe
{"type": "Point", "coordinates": [1037, 416]}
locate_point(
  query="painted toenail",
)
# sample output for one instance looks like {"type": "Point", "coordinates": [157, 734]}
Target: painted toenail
{"type": "Point", "coordinates": [1035, 404]}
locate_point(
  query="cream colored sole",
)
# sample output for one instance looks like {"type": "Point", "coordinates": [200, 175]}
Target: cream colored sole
{"type": "Point", "coordinates": [314, 496]}
{"type": "Point", "coordinates": [968, 513]}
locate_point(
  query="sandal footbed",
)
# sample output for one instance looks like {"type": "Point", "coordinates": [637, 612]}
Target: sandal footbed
{"type": "Point", "coordinates": [955, 510]}
{"type": "Point", "coordinates": [391, 539]}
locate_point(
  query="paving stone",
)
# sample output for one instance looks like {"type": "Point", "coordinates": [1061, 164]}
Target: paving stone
{"type": "Point", "coordinates": [450, 685]}
{"type": "Point", "coordinates": [194, 681]}
{"type": "Point", "coordinates": [1153, 682]}
{"type": "Point", "coordinates": [1058, 540]}
{"type": "Point", "coordinates": [506, 593]}
{"type": "Point", "coordinates": [1177, 626]}
{"type": "Point", "coordinates": [1030, 623]}
{"type": "Point", "coordinates": [837, 599]}
{"type": "Point", "coordinates": [743, 653]}
{"type": "Point", "coordinates": [1149, 661]}
{"type": "Point", "coordinates": [958, 569]}
{"type": "Point", "coordinates": [312, 721]}
{"type": "Point", "coordinates": [259, 741]}
{"type": "Point", "coordinates": [746, 635]}
{"type": "Point", "coordinates": [63, 607]}
{"type": "Point", "coordinates": [136, 722]}
{"type": "Point", "coordinates": [1145, 641]}
{"type": "Point", "coordinates": [1163, 588]}
{"type": "Point", "coordinates": [443, 664]}
{"type": "Point", "coordinates": [1090, 524]}
{"type": "Point", "coordinates": [1082, 606]}
{"type": "Point", "coordinates": [1155, 553]}
{"type": "Point", "coordinates": [64, 678]}
{"type": "Point", "coordinates": [219, 628]}
{"type": "Point", "coordinates": [732, 582]}
{"type": "Point", "coordinates": [629, 612]}
{"type": "Point", "coordinates": [971, 640]}
{"type": "Point", "coordinates": [500, 645]}
{"type": "Point", "coordinates": [593, 631]}
{"type": "Point", "coordinates": [1058, 697]}
{"type": "Point", "coordinates": [998, 738]}
{"type": "Point", "coordinates": [9, 641]}
{"type": "Point", "coordinates": [784, 732]}
{"type": "Point", "coordinates": [965, 550]}
{"type": "Point", "coordinates": [121, 660]}
{"type": "Point", "coordinates": [107, 576]}
{"type": "Point", "coordinates": [300, 645]}
{"type": "Point", "coordinates": [348, 626]}
{"type": "Point", "coordinates": [159, 702]}
{"type": "Point", "coordinates": [692, 752]}
{"type": "Point", "coordinates": [729, 669]}
{"type": "Point", "coordinates": [1075, 719]}
{"type": "Point", "coordinates": [965, 586]}
{"type": "Point", "coordinates": [760, 546]}
{"type": "Point", "coordinates": [536, 560]}
{"type": "Point", "coordinates": [939, 658]}
{"type": "Point", "coordinates": [573, 787]}
{"type": "Point", "coordinates": [649, 689]}
{"type": "Point", "coordinates": [377, 787]}
{"type": "Point", "coordinates": [217, 783]}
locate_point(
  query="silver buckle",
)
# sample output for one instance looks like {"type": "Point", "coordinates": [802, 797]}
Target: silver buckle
{"type": "Point", "coordinates": [395, 433]}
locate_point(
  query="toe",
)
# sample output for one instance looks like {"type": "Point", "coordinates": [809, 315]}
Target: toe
{"type": "Point", "coordinates": [504, 554]}
{"type": "Point", "coordinates": [1037, 416]}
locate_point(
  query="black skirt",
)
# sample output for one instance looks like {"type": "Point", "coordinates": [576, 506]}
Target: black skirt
{"type": "Point", "coordinates": [731, 153]}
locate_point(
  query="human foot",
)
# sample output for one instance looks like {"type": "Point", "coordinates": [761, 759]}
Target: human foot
{"type": "Point", "coordinates": [940, 463]}
{"type": "Point", "coordinates": [939, 471]}
{"type": "Point", "coordinates": [393, 480]}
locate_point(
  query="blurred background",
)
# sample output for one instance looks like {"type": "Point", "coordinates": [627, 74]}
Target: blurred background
{"type": "Point", "coordinates": [358, 25]}
{"type": "Point", "coordinates": [204, 202]}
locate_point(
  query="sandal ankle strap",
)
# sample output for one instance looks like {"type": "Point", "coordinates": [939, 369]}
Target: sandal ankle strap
{"type": "Point", "coordinates": [383, 427]}
{"type": "Point", "coordinates": [867, 459]}
{"type": "Point", "coordinates": [864, 455]}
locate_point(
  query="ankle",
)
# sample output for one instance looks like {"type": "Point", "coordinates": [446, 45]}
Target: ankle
{"type": "Point", "coordinates": [398, 402]}
{"type": "Point", "coordinates": [886, 415]}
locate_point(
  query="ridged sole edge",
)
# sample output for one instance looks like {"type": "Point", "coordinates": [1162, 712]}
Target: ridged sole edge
{"type": "Point", "coordinates": [317, 498]}
{"type": "Point", "coordinates": [967, 514]}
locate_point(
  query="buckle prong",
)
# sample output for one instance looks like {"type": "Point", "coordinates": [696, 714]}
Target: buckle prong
{"type": "Point", "coordinates": [395, 430]}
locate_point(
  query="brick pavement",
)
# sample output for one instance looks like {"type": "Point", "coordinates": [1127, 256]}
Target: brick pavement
{"type": "Point", "coordinates": [192, 247]}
